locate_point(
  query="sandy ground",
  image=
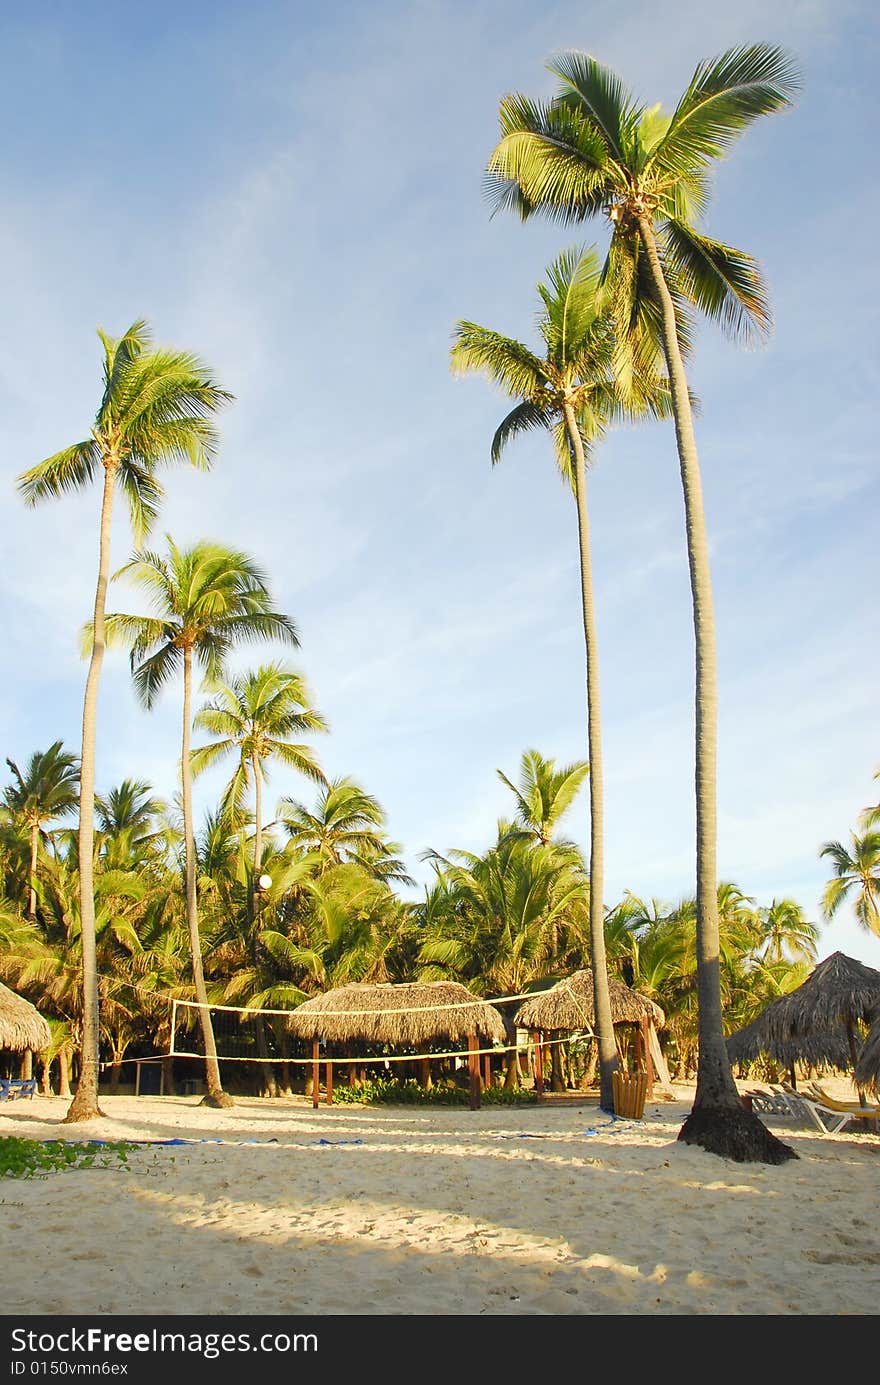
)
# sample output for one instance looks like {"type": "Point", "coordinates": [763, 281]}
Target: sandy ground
{"type": "Point", "coordinates": [280, 1209]}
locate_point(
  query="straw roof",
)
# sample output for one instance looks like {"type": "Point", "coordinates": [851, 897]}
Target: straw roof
{"type": "Point", "coordinates": [21, 1024]}
{"type": "Point", "coordinates": [813, 1022]}
{"type": "Point", "coordinates": [868, 1066]}
{"type": "Point", "coordinates": [569, 1005]}
{"type": "Point", "coordinates": [411, 1013]}
{"type": "Point", "coordinates": [829, 1047]}
{"type": "Point", "coordinates": [837, 992]}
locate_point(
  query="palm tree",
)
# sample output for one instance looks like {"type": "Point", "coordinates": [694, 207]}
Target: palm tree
{"type": "Point", "coordinates": [45, 790]}
{"type": "Point", "coordinates": [254, 716]}
{"type": "Point", "coordinates": [345, 826]}
{"type": "Point", "coordinates": [573, 390]}
{"type": "Point", "coordinates": [206, 600]}
{"type": "Point", "coordinates": [128, 830]}
{"type": "Point", "coordinates": [491, 920]}
{"type": "Point", "coordinates": [856, 872]}
{"type": "Point", "coordinates": [544, 793]}
{"type": "Point", "coordinates": [155, 409]}
{"type": "Point", "coordinates": [787, 936]}
{"type": "Point", "coordinates": [594, 151]}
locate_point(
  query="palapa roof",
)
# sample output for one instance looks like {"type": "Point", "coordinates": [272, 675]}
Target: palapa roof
{"type": "Point", "coordinates": [21, 1024]}
{"type": "Point", "coordinates": [814, 1022]}
{"type": "Point", "coordinates": [569, 1005]}
{"type": "Point", "coordinates": [754, 1040]}
{"type": "Point", "coordinates": [408, 1013]}
{"type": "Point", "coordinates": [837, 992]}
{"type": "Point", "coordinates": [868, 1066]}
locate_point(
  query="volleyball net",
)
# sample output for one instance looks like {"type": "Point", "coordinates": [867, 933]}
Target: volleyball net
{"type": "Point", "coordinates": [248, 1035]}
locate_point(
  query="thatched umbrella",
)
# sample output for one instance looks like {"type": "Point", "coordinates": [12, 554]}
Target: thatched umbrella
{"type": "Point", "coordinates": [755, 1040]}
{"type": "Point", "coordinates": [409, 1014]}
{"type": "Point", "coordinates": [568, 1005]}
{"type": "Point", "coordinates": [22, 1027]}
{"type": "Point", "coordinates": [820, 1016]}
{"type": "Point", "coordinates": [868, 1066]}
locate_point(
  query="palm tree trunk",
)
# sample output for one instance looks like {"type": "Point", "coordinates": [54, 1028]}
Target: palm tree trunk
{"type": "Point", "coordinates": [258, 809]}
{"type": "Point", "coordinates": [85, 1102]}
{"type": "Point", "coordinates": [215, 1095]}
{"type": "Point", "coordinates": [601, 993]}
{"type": "Point", "coordinates": [32, 892]}
{"type": "Point", "coordinates": [718, 1121]}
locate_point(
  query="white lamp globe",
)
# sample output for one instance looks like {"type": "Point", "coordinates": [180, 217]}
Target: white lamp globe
{"type": "Point", "coordinates": [264, 882]}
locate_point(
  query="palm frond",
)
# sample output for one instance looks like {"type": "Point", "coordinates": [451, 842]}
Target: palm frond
{"type": "Point", "coordinates": [69, 470]}
{"type": "Point", "coordinates": [725, 283]}
{"type": "Point", "coordinates": [724, 96]}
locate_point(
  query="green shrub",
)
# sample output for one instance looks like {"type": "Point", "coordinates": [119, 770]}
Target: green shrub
{"type": "Point", "coordinates": [381, 1091]}
{"type": "Point", "coordinates": [20, 1158]}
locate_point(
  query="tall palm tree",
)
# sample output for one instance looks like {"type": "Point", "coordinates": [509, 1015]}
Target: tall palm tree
{"type": "Point", "coordinates": [856, 873]}
{"type": "Point", "coordinates": [156, 408]}
{"type": "Point", "coordinates": [206, 600]}
{"type": "Point", "coordinates": [46, 789]}
{"type": "Point", "coordinates": [544, 793]}
{"type": "Point", "coordinates": [594, 151]}
{"type": "Point", "coordinates": [254, 716]}
{"type": "Point", "coordinates": [573, 390]}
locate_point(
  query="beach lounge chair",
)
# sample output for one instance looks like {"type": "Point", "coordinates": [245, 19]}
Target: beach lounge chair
{"type": "Point", "coordinates": [814, 1112]}
{"type": "Point", "coordinates": [855, 1108]}
{"type": "Point", "coordinates": [773, 1103]}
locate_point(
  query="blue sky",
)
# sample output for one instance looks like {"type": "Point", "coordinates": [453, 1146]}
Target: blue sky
{"type": "Point", "coordinates": [297, 197]}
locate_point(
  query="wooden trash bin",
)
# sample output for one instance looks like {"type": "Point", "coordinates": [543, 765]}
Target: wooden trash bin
{"type": "Point", "coordinates": [630, 1090]}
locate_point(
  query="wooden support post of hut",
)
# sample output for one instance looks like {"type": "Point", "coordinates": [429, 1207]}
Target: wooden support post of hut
{"type": "Point", "coordinates": [316, 1074]}
{"type": "Point", "coordinates": [329, 1080]}
{"type": "Point", "coordinates": [474, 1070]}
{"type": "Point", "coordinates": [487, 1070]}
{"type": "Point", "coordinates": [539, 1062]}
{"type": "Point", "coordinates": [644, 1026]}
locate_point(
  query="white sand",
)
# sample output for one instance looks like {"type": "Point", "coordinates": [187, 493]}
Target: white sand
{"type": "Point", "coordinates": [441, 1211]}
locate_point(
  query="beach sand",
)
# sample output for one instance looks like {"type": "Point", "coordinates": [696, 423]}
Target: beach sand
{"type": "Point", "coordinates": [551, 1209]}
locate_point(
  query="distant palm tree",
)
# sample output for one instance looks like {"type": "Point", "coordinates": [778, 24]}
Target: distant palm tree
{"type": "Point", "coordinates": [156, 408]}
{"type": "Point", "coordinates": [594, 151]}
{"type": "Point", "coordinates": [856, 873]}
{"type": "Point", "coordinates": [206, 600]}
{"type": "Point", "coordinates": [574, 389]}
{"type": "Point", "coordinates": [47, 788]}
{"type": "Point", "coordinates": [254, 716]}
{"type": "Point", "coordinates": [128, 824]}
{"type": "Point", "coordinates": [544, 793]}
{"type": "Point", "coordinates": [345, 826]}
{"type": "Point", "coordinates": [787, 936]}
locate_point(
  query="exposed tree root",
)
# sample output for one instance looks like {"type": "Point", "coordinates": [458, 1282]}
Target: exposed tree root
{"type": "Point", "coordinates": [734, 1133]}
{"type": "Point", "coordinates": [219, 1100]}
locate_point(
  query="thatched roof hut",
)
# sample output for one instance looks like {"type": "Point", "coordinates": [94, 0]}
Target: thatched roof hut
{"type": "Point", "coordinates": [407, 1014]}
{"type": "Point", "coordinates": [569, 1005]}
{"type": "Point", "coordinates": [822, 1013]}
{"type": "Point", "coordinates": [868, 1066]}
{"type": "Point", "coordinates": [21, 1024]}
